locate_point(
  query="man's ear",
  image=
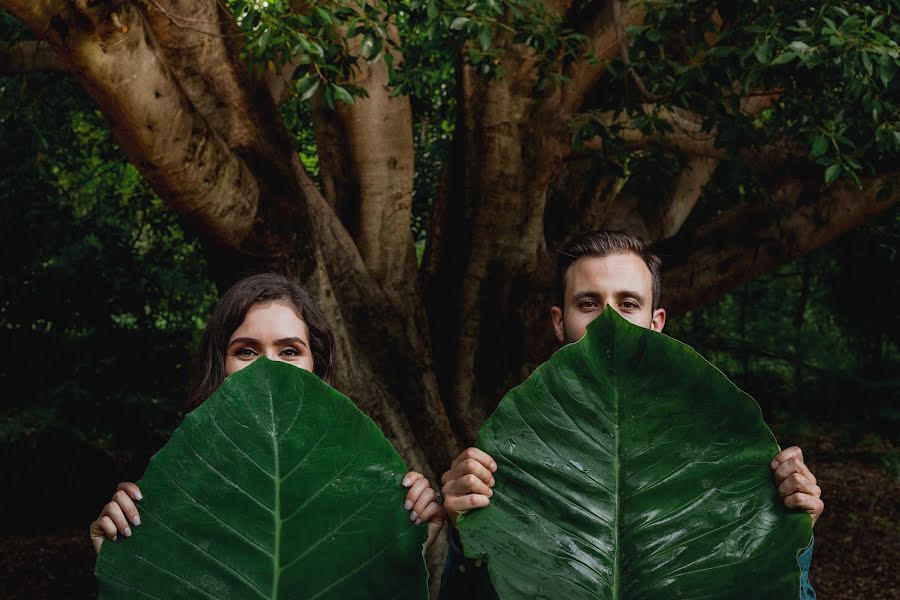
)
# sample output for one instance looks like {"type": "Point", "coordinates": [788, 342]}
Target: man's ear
{"type": "Point", "coordinates": [659, 319]}
{"type": "Point", "coordinates": [556, 315]}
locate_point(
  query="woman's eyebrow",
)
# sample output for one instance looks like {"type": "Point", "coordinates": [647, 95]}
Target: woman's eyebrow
{"type": "Point", "coordinates": [243, 340]}
{"type": "Point", "coordinates": [291, 339]}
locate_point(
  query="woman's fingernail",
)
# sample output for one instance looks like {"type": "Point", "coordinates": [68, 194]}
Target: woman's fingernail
{"type": "Point", "coordinates": [115, 537]}
{"type": "Point", "coordinates": [127, 532]}
{"type": "Point", "coordinates": [138, 496]}
{"type": "Point", "coordinates": [774, 464]}
{"type": "Point", "coordinates": [493, 466]}
{"type": "Point", "coordinates": [406, 482]}
{"type": "Point", "coordinates": [492, 481]}
{"type": "Point", "coordinates": [136, 519]}
{"type": "Point", "coordinates": [490, 493]}
{"type": "Point", "coordinates": [413, 516]}
{"type": "Point", "coordinates": [407, 505]}
{"type": "Point", "coordinates": [418, 522]}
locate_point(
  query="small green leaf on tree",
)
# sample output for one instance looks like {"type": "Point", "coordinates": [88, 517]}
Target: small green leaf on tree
{"type": "Point", "coordinates": [459, 22]}
{"type": "Point", "coordinates": [832, 172]}
{"type": "Point", "coordinates": [820, 145]}
{"type": "Point", "coordinates": [343, 95]}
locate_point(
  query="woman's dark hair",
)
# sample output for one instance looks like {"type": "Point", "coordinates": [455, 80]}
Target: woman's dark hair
{"type": "Point", "coordinates": [229, 313]}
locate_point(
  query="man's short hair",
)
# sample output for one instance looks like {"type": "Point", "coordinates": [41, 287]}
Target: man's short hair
{"type": "Point", "coordinates": [600, 243]}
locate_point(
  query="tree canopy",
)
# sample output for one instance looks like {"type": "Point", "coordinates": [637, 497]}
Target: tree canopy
{"type": "Point", "coordinates": [417, 164]}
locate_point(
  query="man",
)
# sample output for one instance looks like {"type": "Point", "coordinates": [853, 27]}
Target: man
{"type": "Point", "coordinates": [599, 269]}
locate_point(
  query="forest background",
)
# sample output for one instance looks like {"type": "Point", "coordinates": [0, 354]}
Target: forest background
{"type": "Point", "coordinates": [418, 163]}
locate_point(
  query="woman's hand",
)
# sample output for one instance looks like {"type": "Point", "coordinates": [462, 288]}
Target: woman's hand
{"type": "Point", "coordinates": [116, 515]}
{"type": "Point", "coordinates": [421, 502]}
{"type": "Point", "coordinates": [796, 483]}
{"type": "Point", "coordinates": [468, 482]}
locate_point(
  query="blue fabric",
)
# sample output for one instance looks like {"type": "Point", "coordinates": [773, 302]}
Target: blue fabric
{"type": "Point", "coordinates": [466, 579]}
{"type": "Point", "coordinates": [805, 560]}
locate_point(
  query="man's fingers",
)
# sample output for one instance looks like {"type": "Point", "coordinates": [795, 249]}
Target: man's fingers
{"type": "Point", "coordinates": [790, 466]}
{"type": "Point", "coordinates": [798, 483]}
{"type": "Point", "coordinates": [467, 484]}
{"type": "Point", "coordinates": [114, 512]}
{"type": "Point", "coordinates": [131, 489]}
{"type": "Point", "coordinates": [469, 466]}
{"type": "Point", "coordinates": [475, 454]}
{"type": "Point", "coordinates": [806, 502]}
{"type": "Point", "coordinates": [793, 451]}
{"type": "Point", "coordinates": [127, 505]}
{"type": "Point", "coordinates": [461, 504]}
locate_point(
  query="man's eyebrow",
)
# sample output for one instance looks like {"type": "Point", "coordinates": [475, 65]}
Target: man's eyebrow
{"type": "Point", "coordinates": [585, 294]}
{"type": "Point", "coordinates": [630, 294]}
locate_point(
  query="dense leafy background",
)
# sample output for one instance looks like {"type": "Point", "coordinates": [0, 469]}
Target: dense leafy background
{"type": "Point", "coordinates": [103, 294]}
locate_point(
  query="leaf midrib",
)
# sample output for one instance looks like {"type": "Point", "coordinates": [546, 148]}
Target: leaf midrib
{"type": "Point", "coordinates": [276, 514]}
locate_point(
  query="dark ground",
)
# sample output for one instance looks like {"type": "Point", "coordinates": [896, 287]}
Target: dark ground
{"type": "Point", "coordinates": [856, 556]}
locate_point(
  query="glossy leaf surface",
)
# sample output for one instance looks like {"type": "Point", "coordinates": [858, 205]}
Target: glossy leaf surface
{"type": "Point", "coordinates": [277, 486]}
{"type": "Point", "coordinates": [629, 467]}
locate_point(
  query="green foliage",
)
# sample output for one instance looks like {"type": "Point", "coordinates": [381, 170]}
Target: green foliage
{"type": "Point", "coordinates": [235, 503]}
{"type": "Point", "coordinates": [629, 467]}
{"type": "Point", "coordinates": [102, 284]}
{"type": "Point", "coordinates": [832, 67]}
{"type": "Point", "coordinates": [817, 341]}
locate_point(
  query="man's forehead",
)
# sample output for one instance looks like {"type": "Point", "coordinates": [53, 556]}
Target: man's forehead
{"type": "Point", "coordinates": [609, 274]}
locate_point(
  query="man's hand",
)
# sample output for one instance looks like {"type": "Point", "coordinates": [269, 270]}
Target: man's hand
{"type": "Point", "coordinates": [468, 482]}
{"type": "Point", "coordinates": [796, 484]}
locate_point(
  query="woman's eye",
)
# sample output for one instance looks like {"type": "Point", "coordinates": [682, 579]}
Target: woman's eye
{"type": "Point", "coordinates": [290, 352]}
{"type": "Point", "coordinates": [245, 353]}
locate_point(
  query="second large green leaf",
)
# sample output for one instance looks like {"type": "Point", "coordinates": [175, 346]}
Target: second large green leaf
{"type": "Point", "coordinates": [275, 487]}
{"type": "Point", "coordinates": [630, 467]}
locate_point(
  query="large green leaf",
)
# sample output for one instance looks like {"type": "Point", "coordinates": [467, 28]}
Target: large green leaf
{"type": "Point", "coordinates": [277, 486]}
{"type": "Point", "coordinates": [629, 467]}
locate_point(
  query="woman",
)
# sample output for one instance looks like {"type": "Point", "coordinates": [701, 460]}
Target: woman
{"type": "Point", "coordinates": [263, 315]}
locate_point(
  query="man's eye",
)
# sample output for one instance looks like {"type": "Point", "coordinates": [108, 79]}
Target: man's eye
{"type": "Point", "coordinates": [629, 305]}
{"type": "Point", "coordinates": [587, 304]}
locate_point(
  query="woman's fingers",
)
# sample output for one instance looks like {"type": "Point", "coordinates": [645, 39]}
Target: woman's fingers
{"type": "Point", "coordinates": [131, 489]}
{"type": "Point", "coordinates": [114, 512]}
{"type": "Point", "coordinates": [425, 498]}
{"type": "Point", "coordinates": [415, 491]}
{"type": "Point", "coordinates": [123, 499]}
{"type": "Point", "coordinates": [101, 529]}
{"type": "Point", "coordinates": [429, 512]}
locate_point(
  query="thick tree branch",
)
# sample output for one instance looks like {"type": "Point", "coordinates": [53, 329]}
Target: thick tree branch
{"type": "Point", "coordinates": [28, 56]}
{"type": "Point", "coordinates": [664, 218]}
{"type": "Point", "coordinates": [603, 44]}
{"type": "Point", "coordinates": [753, 239]}
{"type": "Point", "coordinates": [685, 133]}
{"type": "Point", "coordinates": [112, 52]}
{"type": "Point", "coordinates": [367, 173]}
